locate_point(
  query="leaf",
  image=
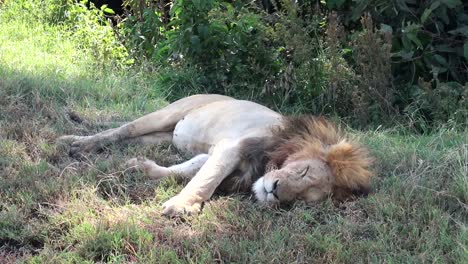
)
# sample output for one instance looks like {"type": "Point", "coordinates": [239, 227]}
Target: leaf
{"type": "Point", "coordinates": [346, 51]}
{"type": "Point", "coordinates": [462, 18]}
{"type": "Point", "coordinates": [402, 5]}
{"type": "Point", "coordinates": [406, 43]}
{"type": "Point", "coordinates": [429, 10]}
{"type": "Point", "coordinates": [435, 70]}
{"type": "Point", "coordinates": [405, 55]}
{"type": "Point", "coordinates": [460, 31]}
{"type": "Point", "coordinates": [197, 4]}
{"type": "Point", "coordinates": [414, 38]}
{"type": "Point", "coordinates": [386, 28]}
{"type": "Point", "coordinates": [163, 51]}
{"type": "Point", "coordinates": [218, 27]}
{"type": "Point", "coordinates": [334, 3]}
{"type": "Point", "coordinates": [108, 11]}
{"type": "Point", "coordinates": [465, 51]}
{"type": "Point", "coordinates": [340, 3]}
{"type": "Point", "coordinates": [357, 11]}
{"type": "Point", "coordinates": [435, 5]}
{"type": "Point", "coordinates": [425, 15]}
{"type": "Point", "coordinates": [442, 14]}
{"type": "Point", "coordinates": [203, 31]}
{"type": "Point", "coordinates": [451, 3]}
{"type": "Point", "coordinates": [195, 40]}
{"type": "Point", "coordinates": [444, 48]}
{"type": "Point", "coordinates": [441, 60]}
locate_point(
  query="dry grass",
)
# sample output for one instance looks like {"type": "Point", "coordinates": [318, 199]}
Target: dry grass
{"type": "Point", "coordinates": [56, 209]}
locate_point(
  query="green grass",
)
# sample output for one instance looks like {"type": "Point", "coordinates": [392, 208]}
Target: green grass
{"type": "Point", "coordinates": [54, 209]}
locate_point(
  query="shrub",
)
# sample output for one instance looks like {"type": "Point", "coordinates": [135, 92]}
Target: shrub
{"type": "Point", "coordinates": [371, 61]}
{"type": "Point", "coordinates": [429, 54]}
{"type": "Point", "coordinates": [143, 31]}
{"type": "Point", "coordinates": [231, 48]}
{"type": "Point", "coordinates": [226, 43]}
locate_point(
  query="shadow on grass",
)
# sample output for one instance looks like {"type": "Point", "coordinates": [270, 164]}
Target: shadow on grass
{"type": "Point", "coordinates": [60, 209]}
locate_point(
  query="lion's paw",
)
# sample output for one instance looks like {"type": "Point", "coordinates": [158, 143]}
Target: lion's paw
{"type": "Point", "coordinates": [82, 145]}
{"type": "Point", "coordinates": [77, 144]}
{"type": "Point", "coordinates": [179, 205]}
{"type": "Point", "coordinates": [149, 167]}
{"type": "Point", "coordinates": [134, 163]}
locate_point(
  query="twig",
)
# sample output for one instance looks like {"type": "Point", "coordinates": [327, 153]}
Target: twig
{"type": "Point", "coordinates": [443, 193]}
{"type": "Point", "coordinates": [69, 166]}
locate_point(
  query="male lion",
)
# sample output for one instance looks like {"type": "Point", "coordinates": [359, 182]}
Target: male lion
{"type": "Point", "coordinates": [241, 146]}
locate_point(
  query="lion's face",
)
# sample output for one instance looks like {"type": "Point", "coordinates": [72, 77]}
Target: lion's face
{"type": "Point", "coordinates": [308, 180]}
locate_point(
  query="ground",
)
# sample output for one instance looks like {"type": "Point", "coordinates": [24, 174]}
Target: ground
{"type": "Point", "coordinates": [55, 209]}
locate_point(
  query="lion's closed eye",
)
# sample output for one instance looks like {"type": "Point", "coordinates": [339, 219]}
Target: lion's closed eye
{"type": "Point", "coordinates": [304, 171]}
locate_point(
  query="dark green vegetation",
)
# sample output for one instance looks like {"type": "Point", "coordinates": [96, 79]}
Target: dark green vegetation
{"type": "Point", "coordinates": [65, 72]}
{"type": "Point", "coordinates": [370, 61]}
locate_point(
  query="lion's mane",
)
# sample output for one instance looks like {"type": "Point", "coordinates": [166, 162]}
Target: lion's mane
{"type": "Point", "coordinates": [311, 138]}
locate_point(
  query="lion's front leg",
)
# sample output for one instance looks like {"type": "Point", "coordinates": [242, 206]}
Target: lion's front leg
{"type": "Point", "coordinates": [223, 160]}
{"type": "Point", "coordinates": [186, 170]}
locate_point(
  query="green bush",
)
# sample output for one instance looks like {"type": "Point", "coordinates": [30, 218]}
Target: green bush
{"type": "Point", "coordinates": [143, 33]}
{"type": "Point", "coordinates": [372, 61]}
{"type": "Point", "coordinates": [231, 48]}
{"type": "Point", "coordinates": [227, 44]}
{"type": "Point", "coordinates": [429, 54]}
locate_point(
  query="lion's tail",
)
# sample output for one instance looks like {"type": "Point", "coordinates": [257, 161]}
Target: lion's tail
{"type": "Point", "coordinates": [350, 165]}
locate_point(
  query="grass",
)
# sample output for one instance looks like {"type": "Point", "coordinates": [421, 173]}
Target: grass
{"type": "Point", "coordinates": [54, 209]}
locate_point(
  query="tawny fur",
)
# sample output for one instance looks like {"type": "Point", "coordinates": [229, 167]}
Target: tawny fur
{"type": "Point", "coordinates": [241, 142]}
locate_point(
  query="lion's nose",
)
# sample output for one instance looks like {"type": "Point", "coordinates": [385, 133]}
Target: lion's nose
{"type": "Point", "coordinates": [274, 190]}
{"type": "Point", "coordinates": [275, 186]}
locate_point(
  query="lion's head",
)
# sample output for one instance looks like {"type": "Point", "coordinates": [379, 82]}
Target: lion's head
{"type": "Point", "coordinates": [312, 160]}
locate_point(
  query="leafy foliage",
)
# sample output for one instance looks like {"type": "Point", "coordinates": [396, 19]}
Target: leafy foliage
{"type": "Point", "coordinates": [384, 60]}
{"type": "Point", "coordinates": [429, 52]}
{"type": "Point", "coordinates": [372, 62]}
{"type": "Point", "coordinates": [234, 48]}
{"type": "Point", "coordinates": [220, 39]}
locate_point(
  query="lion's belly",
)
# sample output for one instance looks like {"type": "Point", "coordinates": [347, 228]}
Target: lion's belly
{"type": "Point", "coordinates": [202, 128]}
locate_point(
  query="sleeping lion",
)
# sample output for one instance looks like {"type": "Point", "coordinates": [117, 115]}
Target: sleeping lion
{"type": "Point", "coordinates": [241, 146]}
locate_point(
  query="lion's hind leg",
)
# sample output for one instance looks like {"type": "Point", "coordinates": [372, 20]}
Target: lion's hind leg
{"type": "Point", "coordinates": [184, 170]}
{"type": "Point", "coordinates": [156, 138]}
{"type": "Point", "coordinates": [149, 129]}
{"type": "Point", "coordinates": [162, 121]}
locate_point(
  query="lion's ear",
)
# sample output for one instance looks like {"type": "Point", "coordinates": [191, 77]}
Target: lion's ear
{"type": "Point", "coordinates": [349, 164]}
